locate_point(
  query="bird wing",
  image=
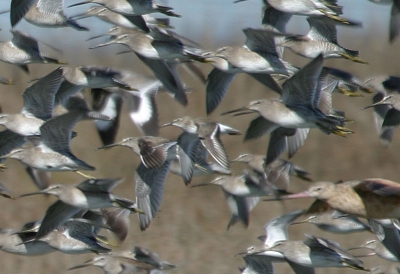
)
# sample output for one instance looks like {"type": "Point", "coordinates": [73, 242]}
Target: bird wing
{"type": "Point", "coordinates": [10, 140]}
{"type": "Point", "coordinates": [153, 155]}
{"type": "Point", "coordinates": [259, 127]}
{"type": "Point", "coordinates": [98, 185]}
{"type": "Point", "coordinates": [39, 97]}
{"type": "Point", "coordinates": [187, 150]}
{"type": "Point", "coordinates": [257, 264]}
{"type": "Point", "coordinates": [209, 135]}
{"type": "Point", "coordinates": [18, 10]}
{"type": "Point", "coordinates": [57, 214]}
{"type": "Point", "coordinates": [322, 29]}
{"type": "Point", "coordinates": [379, 187]}
{"type": "Point", "coordinates": [260, 40]}
{"type": "Point", "coordinates": [56, 132]}
{"type": "Point", "coordinates": [277, 228]}
{"type": "Point", "coordinates": [302, 87]}
{"type": "Point", "coordinates": [24, 41]}
{"type": "Point", "coordinates": [217, 86]}
{"type": "Point", "coordinates": [149, 191]}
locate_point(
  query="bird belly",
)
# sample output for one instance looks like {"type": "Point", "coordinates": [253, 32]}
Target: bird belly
{"type": "Point", "coordinates": [291, 119]}
{"type": "Point", "coordinates": [14, 55]}
{"type": "Point", "coordinates": [295, 7]}
{"type": "Point", "coordinates": [26, 126]}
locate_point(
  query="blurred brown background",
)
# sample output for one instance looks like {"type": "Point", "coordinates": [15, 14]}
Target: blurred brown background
{"type": "Point", "coordinates": [190, 230]}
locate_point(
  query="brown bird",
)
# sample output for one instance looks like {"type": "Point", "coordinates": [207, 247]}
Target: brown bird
{"type": "Point", "coordinates": [373, 198]}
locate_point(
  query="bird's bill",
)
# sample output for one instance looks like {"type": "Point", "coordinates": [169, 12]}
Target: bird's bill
{"type": "Point", "coordinates": [97, 36]}
{"type": "Point", "coordinates": [33, 193]}
{"type": "Point", "coordinates": [7, 155]}
{"type": "Point", "coordinates": [167, 124]}
{"type": "Point", "coordinates": [303, 194]}
{"type": "Point", "coordinates": [81, 16]}
{"type": "Point", "coordinates": [202, 184]}
{"type": "Point", "coordinates": [238, 111]}
{"type": "Point", "coordinates": [109, 146]}
{"type": "Point", "coordinates": [85, 264]}
{"type": "Point", "coordinates": [112, 42]}
{"type": "Point", "coordinates": [302, 221]}
{"type": "Point", "coordinates": [374, 105]}
{"type": "Point", "coordinates": [7, 195]}
{"type": "Point", "coordinates": [79, 4]}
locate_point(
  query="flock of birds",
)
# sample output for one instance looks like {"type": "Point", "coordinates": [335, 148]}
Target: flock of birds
{"type": "Point", "coordinates": [40, 135]}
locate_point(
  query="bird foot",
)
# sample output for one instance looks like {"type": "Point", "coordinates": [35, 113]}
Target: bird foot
{"type": "Point", "coordinates": [335, 17]}
{"type": "Point", "coordinates": [85, 175]}
{"type": "Point", "coordinates": [349, 93]}
{"type": "Point", "coordinates": [3, 167]}
{"type": "Point", "coordinates": [354, 59]}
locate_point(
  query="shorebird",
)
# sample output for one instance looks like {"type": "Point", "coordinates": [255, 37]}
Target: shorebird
{"type": "Point", "coordinates": [321, 38]}
{"type": "Point", "coordinates": [38, 106]}
{"type": "Point", "coordinates": [43, 13]}
{"type": "Point", "coordinates": [336, 222]}
{"type": "Point", "coordinates": [276, 21]}
{"type": "Point", "coordinates": [145, 257]}
{"type": "Point", "coordinates": [73, 237]}
{"type": "Point", "coordinates": [277, 172]}
{"type": "Point", "coordinates": [156, 154]}
{"type": "Point", "coordinates": [208, 132]}
{"type": "Point", "coordinates": [192, 159]}
{"type": "Point", "coordinates": [304, 104]}
{"type": "Point", "coordinates": [378, 249]}
{"type": "Point", "coordinates": [309, 8]}
{"type": "Point", "coordinates": [78, 77]}
{"type": "Point", "coordinates": [242, 194]}
{"type": "Point", "coordinates": [387, 106]}
{"type": "Point", "coordinates": [393, 268]}
{"type": "Point", "coordinates": [90, 194]}
{"type": "Point", "coordinates": [132, 7]}
{"type": "Point", "coordinates": [242, 185]}
{"type": "Point", "coordinates": [12, 241]}
{"type": "Point", "coordinates": [153, 151]}
{"type": "Point", "coordinates": [387, 232]}
{"type": "Point", "coordinates": [275, 230]}
{"type": "Point", "coordinates": [372, 198]}
{"type": "Point", "coordinates": [23, 50]}
{"type": "Point", "coordinates": [298, 106]}
{"type": "Point", "coordinates": [113, 265]}
{"type": "Point", "coordinates": [258, 57]}
{"type": "Point", "coordinates": [52, 151]}
{"type": "Point", "coordinates": [137, 260]}
{"type": "Point", "coordinates": [128, 21]}
{"type": "Point", "coordinates": [157, 50]}
{"type": "Point", "coordinates": [316, 252]}
{"type": "Point", "coordinates": [155, 44]}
